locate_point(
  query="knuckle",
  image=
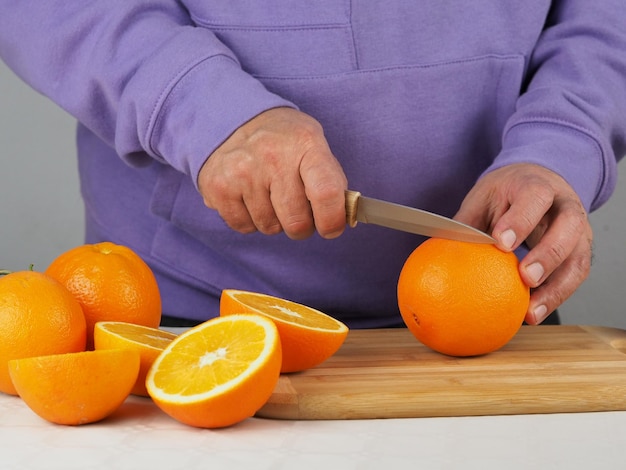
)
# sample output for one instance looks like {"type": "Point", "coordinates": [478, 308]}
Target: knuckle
{"type": "Point", "coordinates": [241, 226]}
{"type": "Point", "coordinates": [554, 298]}
{"type": "Point", "coordinates": [237, 220]}
{"type": "Point", "coordinates": [208, 201]}
{"type": "Point", "coordinates": [241, 169]}
{"type": "Point", "coordinates": [269, 228]}
{"type": "Point", "coordinates": [535, 211]}
{"type": "Point", "coordinates": [299, 229]}
{"type": "Point", "coordinates": [543, 194]}
{"type": "Point", "coordinates": [576, 217]}
{"type": "Point", "coordinates": [325, 193]}
{"type": "Point", "coordinates": [308, 132]}
{"type": "Point", "coordinates": [220, 186]}
{"type": "Point", "coordinates": [559, 287]}
{"type": "Point", "coordinates": [330, 223]}
{"type": "Point", "coordinates": [557, 252]}
{"type": "Point", "coordinates": [581, 265]}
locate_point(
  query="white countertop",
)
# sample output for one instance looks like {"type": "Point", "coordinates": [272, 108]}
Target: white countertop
{"type": "Point", "coordinates": [140, 436]}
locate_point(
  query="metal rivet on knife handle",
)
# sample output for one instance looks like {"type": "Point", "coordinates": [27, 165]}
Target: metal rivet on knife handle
{"type": "Point", "coordinates": [352, 201]}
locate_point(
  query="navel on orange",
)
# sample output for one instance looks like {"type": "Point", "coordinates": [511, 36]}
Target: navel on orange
{"type": "Point", "coordinates": [38, 316]}
{"type": "Point", "coordinates": [462, 299]}
{"type": "Point", "coordinates": [217, 373]}
{"type": "Point", "coordinates": [148, 342]}
{"type": "Point", "coordinates": [76, 388]}
{"type": "Point", "coordinates": [111, 282]}
{"type": "Point", "coordinates": [308, 336]}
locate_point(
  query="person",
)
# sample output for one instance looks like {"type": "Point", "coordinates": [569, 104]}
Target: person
{"type": "Point", "coordinates": [216, 139]}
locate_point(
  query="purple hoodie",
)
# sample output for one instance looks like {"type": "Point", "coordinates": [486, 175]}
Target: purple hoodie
{"type": "Point", "coordinates": [417, 99]}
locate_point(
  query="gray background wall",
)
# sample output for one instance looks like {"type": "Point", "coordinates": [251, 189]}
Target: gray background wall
{"type": "Point", "coordinates": [41, 210]}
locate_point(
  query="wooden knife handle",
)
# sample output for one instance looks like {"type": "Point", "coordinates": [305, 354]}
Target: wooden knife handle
{"type": "Point", "coordinates": [352, 201]}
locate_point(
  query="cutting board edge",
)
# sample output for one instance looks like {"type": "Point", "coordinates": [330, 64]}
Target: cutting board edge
{"type": "Point", "coordinates": [269, 412]}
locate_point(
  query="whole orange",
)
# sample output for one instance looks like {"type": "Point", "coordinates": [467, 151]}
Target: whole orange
{"type": "Point", "coordinates": [38, 316]}
{"type": "Point", "coordinates": [111, 282]}
{"type": "Point", "coordinates": [462, 299]}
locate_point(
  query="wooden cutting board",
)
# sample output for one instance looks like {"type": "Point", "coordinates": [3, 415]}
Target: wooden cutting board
{"type": "Point", "coordinates": [389, 374]}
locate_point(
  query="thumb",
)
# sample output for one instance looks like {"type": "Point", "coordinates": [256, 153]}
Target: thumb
{"type": "Point", "coordinates": [325, 184]}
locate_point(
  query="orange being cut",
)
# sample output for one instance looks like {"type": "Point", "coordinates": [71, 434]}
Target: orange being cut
{"type": "Point", "coordinates": [462, 299]}
{"type": "Point", "coordinates": [111, 282]}
{"type": "Point", "coordinates": [38, 316]}
{"type": "Point", "coordinates": [76, 388]}
{"type": "Point", "coordinates": [148, 342]}
{"type": "Point", "coordinates": [218, 373]}
{"type": "Point", "coordinates": [308, 336]}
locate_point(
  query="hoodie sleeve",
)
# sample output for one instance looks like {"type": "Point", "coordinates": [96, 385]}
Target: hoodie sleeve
{"type": "Point", "coordinates": [571, 117]}
{"type": "Point", "coordinates": [139, 75]}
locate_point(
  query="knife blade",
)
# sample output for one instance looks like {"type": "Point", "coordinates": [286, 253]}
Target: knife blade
{"type": "Point", "coordinates": [408, 219]}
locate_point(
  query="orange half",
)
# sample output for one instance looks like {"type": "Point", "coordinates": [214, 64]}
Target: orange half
{"type": "Point", "coordinates": [308, 336]}
{"type": "Point", "coordinates": [148, 342]}
{"type": "Point", "coordinates": [217, 373]}
{"type": "Point", "coordinates": [75, 388]}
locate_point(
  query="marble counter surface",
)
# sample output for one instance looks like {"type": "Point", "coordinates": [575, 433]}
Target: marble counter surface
{"type": "Point", "coordinates": [140, 436]}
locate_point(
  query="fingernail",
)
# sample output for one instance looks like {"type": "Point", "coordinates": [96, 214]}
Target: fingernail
{"type": "Point", "coordinates": [507, 238]}
{"type": "Point", "coordinates": [540, 313]}
{"type": "Point", "coordinates": [535, 272]}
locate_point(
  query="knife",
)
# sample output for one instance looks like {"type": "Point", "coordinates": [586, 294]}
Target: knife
{"type": "Point", "coordinates": [398, 217]}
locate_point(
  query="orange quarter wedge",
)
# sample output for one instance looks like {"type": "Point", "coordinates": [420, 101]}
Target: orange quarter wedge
{"type": "Point", "coordinates": [148, 342]}
{"type": "Point", "coordinates": [308, 336]}
{"type": "Point", "coordinates": [217, 373]}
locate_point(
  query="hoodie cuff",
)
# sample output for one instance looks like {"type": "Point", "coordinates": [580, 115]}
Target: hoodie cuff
{"type": "Point", "coordinates": [207, 104]}
{"type": "Point", "coordinates": [572, 154]}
